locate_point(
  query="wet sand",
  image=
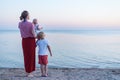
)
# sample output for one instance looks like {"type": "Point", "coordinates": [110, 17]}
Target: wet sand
{"type": "Point", "coordinates": [62, 74]}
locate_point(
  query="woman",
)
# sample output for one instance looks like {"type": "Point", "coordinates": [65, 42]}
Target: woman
{"type": "Point", "coordinates": [28, 43]}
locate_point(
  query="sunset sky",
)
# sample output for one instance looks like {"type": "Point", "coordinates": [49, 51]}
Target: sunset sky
{"type": "Point", "coordinates": [79, 13]}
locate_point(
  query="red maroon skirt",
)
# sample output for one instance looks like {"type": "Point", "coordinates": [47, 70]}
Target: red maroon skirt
{"type": "Point", "coordinates": [28, 45]}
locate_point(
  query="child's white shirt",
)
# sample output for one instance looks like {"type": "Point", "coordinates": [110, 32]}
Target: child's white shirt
{"type": "Point", "coordinates": [42, 47]}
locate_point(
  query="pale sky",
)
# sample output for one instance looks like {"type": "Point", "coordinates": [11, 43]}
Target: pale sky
{"type": "Point", "coordinates": [98, 13]}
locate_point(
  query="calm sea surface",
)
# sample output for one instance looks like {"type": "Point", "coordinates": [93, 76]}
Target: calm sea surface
{"type": "Point", "coordinates": [71, 48]}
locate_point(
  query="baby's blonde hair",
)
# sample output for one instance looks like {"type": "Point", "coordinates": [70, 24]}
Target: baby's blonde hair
{"type": "Point", "coordinates": [34, 21]}
{"type": "Point", "coordinates": [40, 35]}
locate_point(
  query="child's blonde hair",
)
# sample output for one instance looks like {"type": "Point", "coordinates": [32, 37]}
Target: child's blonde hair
{"type": "Point", "coordinates": [40, 35]}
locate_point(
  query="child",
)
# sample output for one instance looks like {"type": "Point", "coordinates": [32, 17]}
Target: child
{"type": "Point", "coordinates": [36, 26]}
{"type": "Point", "coordinates": [43, 45]}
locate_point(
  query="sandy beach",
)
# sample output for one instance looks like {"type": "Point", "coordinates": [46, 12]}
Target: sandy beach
{"type": "Point", "coordinates": [62, 74]}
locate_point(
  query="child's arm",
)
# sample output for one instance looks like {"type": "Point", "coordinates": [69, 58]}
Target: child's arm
{"type": "Point", "coordinates": [36, 43]}
{"type": "Point", "coordinates": [49, 50]}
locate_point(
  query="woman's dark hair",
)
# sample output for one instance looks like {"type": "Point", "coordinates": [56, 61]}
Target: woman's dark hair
{"type": "Point", "coordinates": [24, 15]}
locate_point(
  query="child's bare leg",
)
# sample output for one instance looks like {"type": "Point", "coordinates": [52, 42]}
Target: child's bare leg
{"type": "Point", "coordinates": [42, 69]}
{"type": "Point", "coordinates": [46, 70]}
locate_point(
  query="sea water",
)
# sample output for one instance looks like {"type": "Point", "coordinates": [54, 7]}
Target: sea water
{"type": "Point", "coordinates": [70, 48]}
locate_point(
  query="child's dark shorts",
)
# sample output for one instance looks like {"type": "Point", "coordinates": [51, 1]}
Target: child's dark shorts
{"type": "Point", "coordinates": [43, 59]}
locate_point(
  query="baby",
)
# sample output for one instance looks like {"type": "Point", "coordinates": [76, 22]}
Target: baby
{"type": "Point", "coordinates": [37, 28]}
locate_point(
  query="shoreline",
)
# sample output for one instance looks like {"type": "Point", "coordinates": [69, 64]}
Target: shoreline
{"type": "Point", "coordinates": [62, 74]}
